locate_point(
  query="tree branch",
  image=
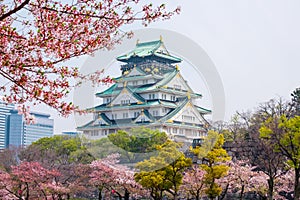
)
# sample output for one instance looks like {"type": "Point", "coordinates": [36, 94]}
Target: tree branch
{"type": "Point", "coordinates": [16, 9]}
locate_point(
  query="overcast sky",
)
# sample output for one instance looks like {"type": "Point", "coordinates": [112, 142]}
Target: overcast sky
{"type": "Point", "coordinates": [254, 45]}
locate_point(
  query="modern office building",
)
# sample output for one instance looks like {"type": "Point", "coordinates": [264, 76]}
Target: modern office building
{"type": "Point", "coordinates": [4, 111]}
{"type": "Point", "coordinates": [151, 92]}
{"type": "Point", "coordinates": [18, 133]}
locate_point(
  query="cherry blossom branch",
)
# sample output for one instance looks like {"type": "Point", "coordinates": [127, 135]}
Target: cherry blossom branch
{"type": "Point", "coordinates": [16, 9]}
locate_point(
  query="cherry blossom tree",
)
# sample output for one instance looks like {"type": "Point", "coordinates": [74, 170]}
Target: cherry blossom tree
{"type": "Point", "coordinates": [193, 185]}
{"type": "Point", "coordinates": [108, 175]}
{"type": "Point", "coordinates": [284, 186]}
{"type": "Point", "coordinates": [38, 36]}
{"type": "Point", "coordinates": [30, 180]}
{"type": "Point", "coordinates": [242, 178]}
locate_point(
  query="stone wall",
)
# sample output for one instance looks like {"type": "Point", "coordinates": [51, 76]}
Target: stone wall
{"type": "Point", "coordinates": [241, 150]}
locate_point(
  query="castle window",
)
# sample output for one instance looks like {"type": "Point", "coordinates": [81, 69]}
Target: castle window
{"type": "Point", "coordinates": [163, 96]}
{"type": "Point", "coordinates": [173, 98]}
{"type": "Point", "coordinates": [127, 101]}
{"type": "Point", "coordinates": [136, 114]}
{"type": "Point", "coordinates": [195, 133]}
{"type": "Point", "coordinates": [145, 81]}
{"type": "Point", "coordinates": [181, 131]}
{"type": "Point", "coordinates": [165, 110]}
{"type": "Point", "coordinates": [155, 112]}
{"type": "Point", "coordinates": [177, 87]}
{"type": "Point", "coordinates": [108, 100]}
{"type": "Point", "coordinates": [134, 82]}
{"type": "Point", "coordinates": [151, 96]}
{"type": "Point", "coordinates": [104, 132]}
{"type": "Point", "coordinates": [188, 118]}
{"type": "Point", "coordinates": [94, 133]}
{"type": "Point", "coordinates": [114, 116]}
{"type": "Point", "coordinates": [125, 115]}
{"type": "Point", "coordinates": [174, 130]}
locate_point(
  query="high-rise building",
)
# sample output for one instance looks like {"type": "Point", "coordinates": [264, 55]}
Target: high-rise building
{"type": "Point", "coordinates": [18, 133]}
{"type": "Point", "coordinates": [4, 110]}
{"type": "Point", "coordinates": [151, 92]}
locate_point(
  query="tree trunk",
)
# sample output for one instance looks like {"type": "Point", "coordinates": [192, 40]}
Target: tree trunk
{"type": "Point", "coordinates": [223, 194]}
{"type": "Point", "coordinates": [271, 188]}
{"type": "Point", "coordinates": [100, 195]}
{"type": "Point", "coordinates": [242, 192]}
{"type": "Point", "coordinates": [27, 192]}
{"type": "Point", "coordinates": [174, 196]}
{"type": "Point", "coordinates": [198, 195]}
{"type": "Point", "coordinates": [297, 186]}
{"type": "Point", "coordinates": [127, 195]}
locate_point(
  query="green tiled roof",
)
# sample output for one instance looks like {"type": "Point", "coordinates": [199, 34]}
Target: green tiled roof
{"type": "Point", "coordinates": [146, 112]}
{"type": "Point", "coordinates": [138, 77]}
{"type": "Point", "coordinates": [148, 49]}
{"type": "Point", "coordinates": [167, 78]}
{"type": "Point", "coordinates": [105, 118]}
{"type": "Point", "coordinates": [90, 124]}
{"type": "Point", "coordinates": [104, 107]}
{"type": "Point", "coordinates": [175, 111]}
{"type": "Point", "coordinates": [112, 90]}
{"type": "Point", "coordinates": [85, 125]}
{"type": "Point", "coordinates": [203, 110]}
{"type": "Point", "coordinates": [115, 89]}
{"type": "Point", "coordinates": [136, 95]}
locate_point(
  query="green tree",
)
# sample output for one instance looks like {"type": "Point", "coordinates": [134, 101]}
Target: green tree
{"type": "Point", "coordinates": [138, 143]}
{"type": "Point", "coordinates": [286, 133]}
{"type": "Point", "coordinates": [262, 152]}
{"type": "Point", "coordinates": [58, 149]}
{"type": "Point", "coordinates": [138, 140]}
{"type": "Point", "coordinates": [213, 162]}
{"type": "Point", "coordinates": [164, 172]}
{"type": "Point", "coordinates": [296, 101]}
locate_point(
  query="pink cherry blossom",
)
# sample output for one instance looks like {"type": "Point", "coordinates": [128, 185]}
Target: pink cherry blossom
{"type": "Point", "coordinates": [39, 36]}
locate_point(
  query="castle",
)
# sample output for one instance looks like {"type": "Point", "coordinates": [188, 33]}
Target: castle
{"type": "Point", "coordinates": [151, 92]}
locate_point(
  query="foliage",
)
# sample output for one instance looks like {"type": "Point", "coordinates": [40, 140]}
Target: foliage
{"type": "Point", "coordinates": [58, 149]}
{"type": "Point", "coordinates": [102, 148]}
{"type": "Point", "coordinates": [214, 158]}
{"type": "Point", "coordinates": [296, 101]}
{"type": "Point", "coordinates": [138, 140]}
{"type": "Point", "coordinates": [38, 36]}
{"type": "Point", "coordinates": [163, 172]}
{"type": "Point", "coordinates": [137, 144]}
{"type": "Point", "coordinates": [286, 133]}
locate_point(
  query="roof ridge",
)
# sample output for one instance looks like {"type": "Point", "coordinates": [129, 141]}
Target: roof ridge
{"type": "Point", "coordinates": [148, 114]}
{"type": "Point", "coordinates": [167, 79]}
{"type": "Point", "coordinates": [175, 111]}
{"type": "Point", "coordinates": [149, 42]}
{"type": "Point", "coordinates": [136, 95]}
{"type": "Point", "coordinates": [105, 118]}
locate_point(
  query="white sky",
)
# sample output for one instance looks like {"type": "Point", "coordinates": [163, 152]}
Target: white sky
{"type": "Point", "coordinates": [254, 44]}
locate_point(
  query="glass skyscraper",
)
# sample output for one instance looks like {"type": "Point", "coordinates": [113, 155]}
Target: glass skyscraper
{"type": "Point", "coordinates": [4, 111]}
{"type": "Point", "coordinates": [18, 133]}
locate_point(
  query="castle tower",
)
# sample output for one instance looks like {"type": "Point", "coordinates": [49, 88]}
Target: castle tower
{"type": "Point", "coordinates": [151, 92]}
